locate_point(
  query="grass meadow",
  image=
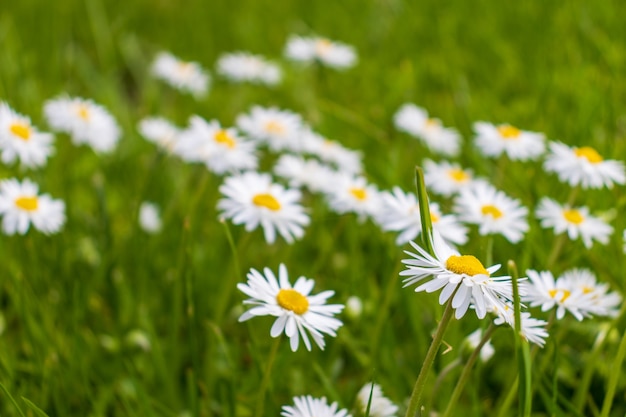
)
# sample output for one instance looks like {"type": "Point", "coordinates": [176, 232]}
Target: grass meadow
{"type": "Point", "coordinates": [104, 319]}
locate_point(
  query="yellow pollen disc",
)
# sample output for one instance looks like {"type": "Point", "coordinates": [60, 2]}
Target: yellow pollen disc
{"type": "Point", "coordinates": [224, 138]}
{"type": "Point", "coordinates": [22, 130]}
{"type": "Point", "coordinates": [292, 300]}
{"type": "Point", "coordinates": [458, 175]}
{"type": "Point", "coordinates": [491, 210]}
{"type": "Point", "coordinates": [184, 67]}
{"type": "Point", "coordinates": [359, 193]}
{"type": "Point", "coordinates": [266, 200]}
{"type": "Point", "coordinates": [83, 112]}
{"type": "Point", "coordinates": [573, 216]}
{"type": "Point", "coordinates": [274, 127]}
{"type": "Point", "coordinates": [587, 290]}
{"type": "Point", "coordinates": [465, 264]}
{"type": "Point", "coordinates": [432, 122]}
{"type": "Point", "coordinates": [27, 203]}
{"type": "Point", "coordinates": [509, 132]}
{"type": "Point", "coordinates": [322, 46]}
{"type": "Point", "coordinates": [434, 218]}
{"type": "Point", "coordinates": [589, 154]}
{"type": "Point", "coordinates": [554, 292]}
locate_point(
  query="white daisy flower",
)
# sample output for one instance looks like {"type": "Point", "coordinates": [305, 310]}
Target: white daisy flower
{"type": "Point", "coordinates": [19, 139]}
{"type": "Point", "coordinates": [517, 144]}
{"type": "Point", "coordinates": [184, 76]}
{"type": "Point", "coordinates": [450, 271]}
{"type": "Point", "coordinates": [149, 218]}
{"type": "Point", "coordinates": [279, 129]}
{"type": "Point", "coordinates": [330, 53]}
{"type": "Point", "coordinates": [380, 406]}
{"type": "Point", "coordinates": [583, 166]}
{"type": "Point", "coordinates": [532, 329]}
{"type": "Point", "coordinates": [493, 211]}
{"type": "Point", "coordinates": [246, 67]}
{"type": "Point", "coordinates": [253, 199]}
{"type": "Point", "coordinates": [447, 178]}
{"type": "Point", "coordinates": [309, 173]}
{"type": "Point", "coordinates": [576, 221]}
{"type": "Point", "coordinates": [601, 302]}
{"type": "Point", "coordinates": [297, 312]}
{"type": "Point", "coordinates": [332, 152]}
{"type": "Point", "coordinates": [85, 121]}
{"type": "Point", "coordinates": [487, 351]}
{"type": "Point", "coordinates": [159, 131]}
{"type": "Point", "coordinates": [400, 213]}
{"type": "Point", "coordinates": [354, 195]}
{"type": "Point", "coordinates": [414, 120]}
{"type": "Point", "coordinates": [20, 205]}
{"type": "Point", "coordinates": [307, 406]}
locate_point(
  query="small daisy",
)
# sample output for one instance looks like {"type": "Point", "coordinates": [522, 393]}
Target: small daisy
{"type": "Point", "coordinates": [447, 178]}
{"type": "Point", "coordinates": [487, 351]}
{"type": "Point", "coordinates": [451, 271]}
{"type": "Point", "coordinates": [297, 312]}
{"type": "Point", "coordinates": [19, 139]}
{"type": "Point", "coordinates": [379, 405]}
{"type": "Point", "coordinates": [85, 121]}
{"type": "Point", "coordinates": [601, 302]}
{"type": "Point", "coordinates": [20, 205]}
{"type": "Point", "coordinates": [253, 199]}
{"type": "Point", "coordinates": [354, 195]}
{"type": "Point", "coordinates": [309, 173]}
{"type": "Point", "coordinates": [313, 407]}
{"type": "Point", "coordinates": [332, 152]}
{"type": "Point", "coordinates": [149, 218]}
{"type": "Point", "coordinates": [330, 53]}
{"type": "Point", "coordinates": [493, 211]}
{"type": "Point", "coordinates": [246, 67]}
{"type": "Point", "coordinates": [414, 120]}
{"type": "Point", "coordinates": [517, 144]}
{"type": "Point", "coordinates": [183, 76]}
{"type": "Point", "coordinates": [279, 129]}
{"type": "Point", "coordinates": [159, 131]}
{"type": "Point", "coordinates": [583, 166]}
{"type": "Point", "coordinates": [576, 221]}
{"type": "Point", "coordinates": [532, 329]}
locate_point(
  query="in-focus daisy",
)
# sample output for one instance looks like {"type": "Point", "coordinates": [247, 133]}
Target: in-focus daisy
{"type": "Point", "coordinates": [495, 140]}
{"type": "Point", "coordinates": [330, 53]}
{"type": "Point", "coordinates": [583, 166]}
{"type": "Point", "coordinates": [253, 199]}
{"type": "Point", "coordinates": [297, 312]}
{"type": "Point", "coordinates": [246, 67]}
{"type": "Point", "coordinates": [447, 178]}
{"type": "Point", "coordinates": [332, 152]}
{"type": "Point", "coordinates": [493, 211]}
{"type": "Point", "coordinates": [414, 120]}
{"type": "Point", "coordinates": [279, 129]}
{"type": "Point", "coordinates": [85, 121]}
{"type": "Point", "coordinates": [19, 139]}
{"type": "Point", "coordinates": [379, 405]}
{"type": "Point", "coordinates": [473, 339]}
{"type": "Point", "coordinates": [354, 195]}
{"type": "Point", "coordinates": [532, 329]}
{"type": "Point", "coordinates": [20, 205]}
{"type": "Point", "coordinates": [159, 131]}
{"type": "Point", "coordinates": [149, 218]}
{"type": "Point", "coordinates": [309, 173]}
{"type": "Point", "coordinates": [576, 221]}
{"type": "Point", "coordinates": [450, 271]}
{"type": "Point", "coordinates": [307, 406]}
{"type": "Point", "coordinates": [182, 75]}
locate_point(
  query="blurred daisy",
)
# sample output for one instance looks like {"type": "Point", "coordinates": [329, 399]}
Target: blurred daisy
{"type": "Point", "coordinates": [297, 312]}
{"type": "Point", "coordinates": [183, 76]}
{"type": "Point", "coordinates": [312, 407]}
{"type": "Point", "coordinates": [354, 307]}
{"type": "Point", "coordinates": [159, 131]}
{"type": "Point", "coordinates": [532, 329]}
{"type": "Point", "coordinates": [473, 340]}
{"type": "Point", "coordinates": [309, 173]}
{"type": "Point", "coordinates": [414, 120]}
{"type": "Point", "coordinates": [379, 405]}
{"type": "Point", "coordinates": [19, 139]}
{"type": "Point", "coordinates": [246, 67]}
{"type": "Point", "coordinates": [450, 271]}
{"type": "Point", "coordinates": [332, 152]}
{"type": "Point", "coordinates": [354, 195]}
{"type": "Point", "coordinates": [85, 121]}
{"type": "Point", "coordinates": [517, 144]}
{"type": "Point", "coordinates": [493, 211]}
{"type": "Point", "coordinates": [279, 129]}
{"type": "Point", "coordinates": [20, 205]}
{"type": "Point", "coordinates": [576, 221]}
{"type": "Point", "coordinates": [253, 199]}
{"type": "Point", "coordinates": [149, 218]}
{"type": "Point", "coordinates": [447, 178]}
{"type": "Point", "coordinates": [601, 302]}
{"type": "Point", "coordinates": [583, 166]}
{"type": "Point", "coordinates": [330, 53]}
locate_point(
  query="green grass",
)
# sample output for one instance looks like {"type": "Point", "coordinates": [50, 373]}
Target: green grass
{"type": "Point", "coordinates": [69, 301]}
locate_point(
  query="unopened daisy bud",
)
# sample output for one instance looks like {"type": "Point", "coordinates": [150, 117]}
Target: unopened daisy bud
{"type": "Point", "coordinates": [354, 307]}
{"type": "Point", "coordinates": [149, 218]}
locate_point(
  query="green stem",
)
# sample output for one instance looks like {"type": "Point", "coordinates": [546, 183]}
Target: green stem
{"type": "Point", "coordinates": [522, 349]}
{"type": "Point", "coordinates": [442, 375]}
{"type": "Point", "coordinates": [614, 377]}
{"type": "Point", "coordinates": [260, 404]}
{"type": "Point", "coordinates": [585, 380]}
{"type": "Point", "coordinates": [427, 225]}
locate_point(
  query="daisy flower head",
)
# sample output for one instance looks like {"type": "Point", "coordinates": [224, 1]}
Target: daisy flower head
{"type": "Point", "coordinates": [246, 67]}
{"type": "Point", "coordinates": [184, 76]}
{"type": "Point", "coordinates": [309, 173]}
{"type": "Point", "coordinates": [279, 129]}
{"type": "Point", "coordinates": [159, 131]}
{"type": "Point", "coordinates": [317, 49]}
{"type": "Point", "coordinates": [576, 221]}
{"type": "Point", "coordinates": [85, 121]}
{"type": "Point", "coordinates": [253, 199]}
{"type": "Point", "coordinates": [532, 329]}
{"type": "Point", "coordinates": [354, 195]}
{"type": "Point", "coordinates": [298, 313]}
{"type": "Point", "coordinates": [20, 140]}
{"type": "Point", "coordinates": [307, 406]}
{"type": "Point", "coordinates": [415, 121]}
{"type": "Point", "coordinates": [495, 140]}
{"type": "Point", "coordinates": [448, 178]}
{"type": "Point", "coordinates": [493, 211]}
{"type": "Point", "coordinates": [460, 277]}
{"type": "Point", "coordinates": [380, 406]}
{"type": "Point", "coordinates": [332, 152]}
{"type": "Point", "coordinates": [21, 205]}
{"type": "Point", "coordinates": [583, 166]}
{"type": "Point", "coordinates": [149, 218]}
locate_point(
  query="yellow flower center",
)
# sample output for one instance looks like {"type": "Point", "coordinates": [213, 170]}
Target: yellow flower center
{"type": "Point", "coordinates": [465, 264]}
{"type": "Point", "coordinates": [224, 138]}
{"type": "Point", "coordinates": [434, 218]}
{"type": "Point", "coordinates": [292, 300]}
{"type": "Point", "coordinates": [589, 154]}
{"type": "Point", "coordinates": [573, 216]}
{"type": "Point", "coordinates": [322, 46]}
{"type": "Point", "coordinates": [83, 112]}
{"type": "Point", "coordinates": [565, 294]}
{"type": "Point", "coordinates": [430, 123]}
{"type": "Point", "coordinates": [184, 67]}
{"type": "Point", "coordinates": [491, 210]}
{"type": "Point", "coordinates": [509, 132]}
{"type": "Point", "coordinates": [266, 200]}
{"type": "Point", "coordinates": [21, 130]}
{"type": "Point", "coordinates": [27, 203]}
{"type": "Point", "coordinates": [359, 193]}
{"type": "Point", "coordinates": [274, 127]}
{"type": "Point", "coordinates": [458, 175]}
{"type": "Point", "coordinates": [587, 290]}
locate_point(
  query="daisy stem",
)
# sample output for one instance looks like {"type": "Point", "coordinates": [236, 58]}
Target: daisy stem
{"type": "Point", "coordinates": [613, 378]}
{"type": "Point", "coordinates": [522, 349]}
{"type": "Point", "coordinates": [260, 403]}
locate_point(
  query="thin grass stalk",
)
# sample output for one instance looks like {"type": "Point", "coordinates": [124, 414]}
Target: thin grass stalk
{"type": "Point", "coordinates": [522, 349]}
{"type": "Point", "coordinates": [613, 378]}
{"type": "Point", "coordinates": [260, 403]}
